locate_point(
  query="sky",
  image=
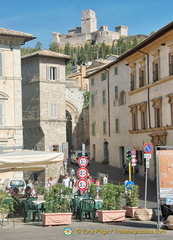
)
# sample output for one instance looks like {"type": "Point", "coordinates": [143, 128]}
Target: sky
{"type": "Point", "coordinates": [41, 18]}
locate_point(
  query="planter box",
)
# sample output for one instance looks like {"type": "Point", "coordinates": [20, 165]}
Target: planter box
{"type": "Point", "coordinates": [49, 219]}
{"type": "Point", "coordinates": [111, 215]}
{"type": "Point", "coordinates": [130, 211]}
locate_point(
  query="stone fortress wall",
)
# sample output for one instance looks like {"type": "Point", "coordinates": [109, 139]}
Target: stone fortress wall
{"type": "Point", "coordinates": [88, 32]}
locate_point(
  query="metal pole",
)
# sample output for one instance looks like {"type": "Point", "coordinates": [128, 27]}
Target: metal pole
{"type": "Point", "coordinates": [134, 174]}
{"type": "Point", "coordinates": [145, 188]}
{"type": "Point", "coordinates": [130, 172]}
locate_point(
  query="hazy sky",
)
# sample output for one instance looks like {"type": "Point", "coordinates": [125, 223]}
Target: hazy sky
{"type": "Point", "coordinates": [41, 18]}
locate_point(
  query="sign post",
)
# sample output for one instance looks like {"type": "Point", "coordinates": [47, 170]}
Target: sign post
{"type": "Point", "coordinates": [147, 150]}
{"type": "Point", "coordinates": [133, 160]}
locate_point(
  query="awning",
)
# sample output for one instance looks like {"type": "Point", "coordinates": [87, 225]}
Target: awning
{"type": "Point", "coordinates": [26, 160]}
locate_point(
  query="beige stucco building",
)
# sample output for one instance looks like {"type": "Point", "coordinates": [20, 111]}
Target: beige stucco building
{"type": "Point", "coordinates": [11, 128]}
{"type": "Point", "coordinates": [131, 102]}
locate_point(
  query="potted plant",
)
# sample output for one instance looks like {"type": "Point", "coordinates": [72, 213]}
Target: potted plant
{"type": "Point", "coordinates": [6, 204]}
{"type": "Point", "coordinates": [112, 203]}
{"type": "Point", "coordinates": [132, 200]}
{"type": "Point", "coordinates": [40, 192]}
{"type": "Point", "coordinates": [57, 206]}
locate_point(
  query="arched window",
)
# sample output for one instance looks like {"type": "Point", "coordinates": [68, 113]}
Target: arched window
{"type": "Point", "coordinates": [122, 97]}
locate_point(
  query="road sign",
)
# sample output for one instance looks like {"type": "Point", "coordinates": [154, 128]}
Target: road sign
{"type": "Point", "coordinates": [148, 148]}
{"type": "Point", "coordinates": [147, 155]}
{"type": "Point", "coordinates": [134, 160]}
{"type": "Point", "coordinates": [129, 185]}
{"type": "Point", "coordinates": [133, 152]}
{"type": "Point", "coordinates": [83, 161]}
{"type": "Point", "coordinates": [82, 184]}
{"type": "Point", "coordinates": [147, 163]}
{"type": "Point", "coordinates": [82, 173]}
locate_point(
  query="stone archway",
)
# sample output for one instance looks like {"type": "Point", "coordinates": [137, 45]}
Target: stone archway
{"type": "Point", "coordinates": [72, 126]}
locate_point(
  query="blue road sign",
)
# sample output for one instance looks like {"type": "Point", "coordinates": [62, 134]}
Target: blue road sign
{"type": "Point", "coordinates": [148, 148]}
{"type": "Point", "coordinates": [129, 185]}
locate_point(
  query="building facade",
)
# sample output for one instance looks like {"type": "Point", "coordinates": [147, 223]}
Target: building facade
{"type": "Point", "coordinates": [89, 32]}
{"type": "Point", "coordinates": [131, 102]}
{"type": "Point", "coordinates": [44, 104]}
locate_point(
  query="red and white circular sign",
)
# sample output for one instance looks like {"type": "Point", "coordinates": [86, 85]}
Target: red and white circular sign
{"type": "Point", "coordinates": [83, 161]}
{"type": "Point", "coordinates": [82, 173]}
{"type": "Point", "coordinates": [82, 184]}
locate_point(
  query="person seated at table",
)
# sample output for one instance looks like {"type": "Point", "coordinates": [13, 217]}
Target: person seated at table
{"type": "Point", "coordinates": [30, 192]}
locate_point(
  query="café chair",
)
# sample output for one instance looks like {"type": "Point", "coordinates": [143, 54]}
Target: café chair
{"type": "Point", "coordinates": [87, 208]}
{"type": "Point", "coordinates": [30, 209]}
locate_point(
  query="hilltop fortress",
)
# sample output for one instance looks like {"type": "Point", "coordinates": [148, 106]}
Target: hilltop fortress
{"type": "Point", "coordinates": [88, 32]}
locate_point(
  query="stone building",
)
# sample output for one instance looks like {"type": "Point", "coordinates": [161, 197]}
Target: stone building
{"type": "Point", "coordinates": [89, 32]}
{"type": "Point", "coordinates": [131, 102]}
{"type": "Point", "coordinates": [11, 129]}
{"type": "Point", "coordinates": [44, 104]}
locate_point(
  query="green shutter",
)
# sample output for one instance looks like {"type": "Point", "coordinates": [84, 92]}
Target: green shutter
{"type": "Point", "coordinates": [116, 92]}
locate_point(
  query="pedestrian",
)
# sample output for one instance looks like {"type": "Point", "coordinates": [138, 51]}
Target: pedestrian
{"type": "Point", "coordinates": [97, 184]}
{"type": "Point", "coordinates": [66, 181]}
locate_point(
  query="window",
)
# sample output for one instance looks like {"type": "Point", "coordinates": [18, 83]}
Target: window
{"type": "Point", "coordinates": [103, 76]}
{"type": "Point", "coordinates": [116, 125]}
{"type": "Point", "coordinates": [132, 81]}
{"type": "Point", "coordinates": [103, 96]}
{"type": "Point", "coordinates": [53, 110]}
{"type": "Point", "coordinates": [104, 127]}
{"type": "Point", "coordinates": [142, 77]}
{"type": "Point", "coordinates": [92, 100]}
{"type": "Point", "coordinates": [116, 92]}
{"type": "Point", "coordinates": [53, 73]}
{"type": "Point", "coordinates": [171, 64]}
{"type": "Point", "coordinates": [0, 64]}
{"type": "Point", "coordinates": [155, 71]}
{"type": "Point", "coordinates": [93, 129]}
{"type": "Point", "coordinates": [134, 117]}
{"type": "Point", "coordinates": [157, 105]}
{"type": "Point", "coordinates": [92, 81]}
{"type": "Point", "coordinates": [116, 71]}
{"type": "Point", "coordinates": [143, 110]}
{"type": "Point", "coordinates": [2, 113]}
{"type": "Point", "coordinates": [122, 98]}
{"type": "Point", "coordinates": [170, 101]}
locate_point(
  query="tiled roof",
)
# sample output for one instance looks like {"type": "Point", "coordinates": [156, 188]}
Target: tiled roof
{"type": "Point", "coordinates": [47, 53]}
{"type": "Point", "coordinates": [12, 33]}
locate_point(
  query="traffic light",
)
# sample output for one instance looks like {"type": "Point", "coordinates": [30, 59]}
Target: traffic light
{"type": "Point", "coordinates": [128, 155]}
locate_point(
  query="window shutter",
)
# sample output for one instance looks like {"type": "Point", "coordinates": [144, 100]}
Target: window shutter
{"type": "Point", "coordinates": [48, 73]}
{"type": "Point", "coordinates": [1, 114]}
{"type": "Point", "coordinates": [57, 73]}
{"type": "Point", "coordinates": [116, 92]}
{"type": "Point", "coordinates": [53, 110]}
{"type": "Point", "coordinates": [0, 64]}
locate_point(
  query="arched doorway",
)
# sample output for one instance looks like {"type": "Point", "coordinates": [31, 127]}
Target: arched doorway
{"type": "Point", "coordinates": [157, 139]}
{"type": "Point", "coordinates": [106, 152]}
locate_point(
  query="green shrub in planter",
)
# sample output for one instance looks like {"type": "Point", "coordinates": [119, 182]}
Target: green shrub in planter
{"type": "Point", "coordinates": [112, 196]}
{"type": "Point", "coordinates": [132, 196]}
{"type": "Point", "coordinates": [56, 200]}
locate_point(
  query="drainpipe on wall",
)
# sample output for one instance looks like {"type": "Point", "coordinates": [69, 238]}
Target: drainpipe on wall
{"type": "Point", "coordinates": [109, 132]}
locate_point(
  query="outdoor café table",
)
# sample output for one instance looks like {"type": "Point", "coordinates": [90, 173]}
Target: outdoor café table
{"type": "Point", "coordinates": [39, 204]}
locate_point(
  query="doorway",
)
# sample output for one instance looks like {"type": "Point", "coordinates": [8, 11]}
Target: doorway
{"type": "Point", "coordinates": [106, 152]}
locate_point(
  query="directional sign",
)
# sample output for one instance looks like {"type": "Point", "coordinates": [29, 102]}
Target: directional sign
{"type": "Point", "coordinates": [148, 148]}
{"type": "Point", "coordinates": [83, 161]}
{"type": "Point", "coordinates": [147, 155]}
{"type": "Point", "coordinates": [147, 163]}
{"type": "Point", "coordinates": [82, 184]}
{"type": "Point", "coordinates": [129, 185]}
{"type": "Point", "coordinates": [82, 173]}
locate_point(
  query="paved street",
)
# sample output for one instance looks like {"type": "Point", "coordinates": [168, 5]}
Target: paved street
{"type": "Point", "coordinates": [129, 229]}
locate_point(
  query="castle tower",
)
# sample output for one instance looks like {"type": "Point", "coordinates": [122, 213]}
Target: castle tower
{"type": "Point", "coordinates": [88, 21]}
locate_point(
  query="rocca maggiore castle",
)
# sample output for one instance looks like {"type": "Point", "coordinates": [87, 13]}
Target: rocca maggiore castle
{"type": "Point", "coordinates": [88, 32]}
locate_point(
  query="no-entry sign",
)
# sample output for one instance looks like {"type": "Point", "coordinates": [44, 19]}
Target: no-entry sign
{"type": "Point", "coordinates": [82, 184]}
